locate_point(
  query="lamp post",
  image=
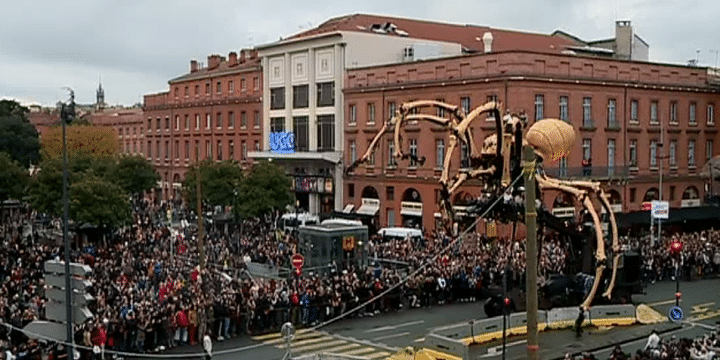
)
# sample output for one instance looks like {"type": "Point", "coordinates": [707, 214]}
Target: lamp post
{"type": "Point", "coordinates": [676, 250]}
{"type": "Point", "coordinates": [529, 168]}
{"type": "Point", "coordinates": [67, 113]}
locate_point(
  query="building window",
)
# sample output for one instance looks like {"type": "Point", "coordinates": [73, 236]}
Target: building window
{"type": "Point", "coordinates": [231, 86]}
{"type": "Point", "coordinates": [672, 158]}
{"type": "Point", "coordinates": [207, 89]}
{"type": "Point", "coordinates": [390, 217]}
{"type": "Point", "coordinates": [708, 150]}
{"type": "Point", "coordinates": [187, 150]}
{"type": "Point", "coordinates": [257, 145]}
{"type": "Point", "coordinates": [587, 149]}
{"type": "Point", "coordinates": [413, 153]}
{"type": "Point", "coordinates": [692, 117]}
{"type": "Point", "coordinates": [587, 112]}
{"type": "Point", "coordinates": [244, 151]}
{"type": "Point", "coordinates": [539, 107]}
{"type": "Point", "coordinates": [672, 192]}
{"type": "Point", "coordinates": [326, 132]}
{"type": "Point", "coordinates": [352, 117]}
{"type": "Point", "coordinates": [564, 108]}
{"type": "Point", "coordinates": [611, 156]}
{"type": "Point", "coordinates": [710, 114]}
{"type": "Point", "coordinates": [300, 96]}
{"type": "Point", "coordinates": [326, 94]}
{"type": "Point", "coordinates": [187, 92]}
{"type": "Point", "coordinates": [371, 160]}
{"type": "Point", "coordinates": [390, 193]}
{"type": "Point", "coordinates": [177, 91]}
{"type": "Point", "coordinates": [562, 167]}
{"type": "Point", "coordinates": [673, 112]}
{"type": "Point", "coordinates": [167, 123]}
{"type": "Point", "coordinates": [158, 123]}
{"type": "Point", "coordinates": [218, 120]}
{"type": "Point", "coordinates": [277, 98]}
{"type": "Point", "coordinates": [207, 120]}
{"type": "Point", "coordinates": [243, 120]}
{"type": "Point", "coordinates": [634, 111]}
{"type": "Point", "coordinates": [148, 151]}
{"type": "Point", "coordinates": [219, 150]}
{"type": "Point", "coordinates": [197, 149]}
{"type": "Point", "coordinates": [243, 86]}
{"type": "Point", "coordinates": [167, 150]}
{"type": "Point", "coordinates": [391, 153]}
{"type": "Point", "coordinates": [464, 155]}
{"type": "Point", "coordinates": [231, 149]}
{"type": "Point", "coordinates": [187, 122]}
{"type": "Point", "coordinates": [353, 152]}
{"type": "Point", "coordinates": [256, 119]}
{"type": "Point", "coordinates": [149, 124]}
{"type": "Point", "coordinates": [440, 109]}
{"type": "Point", "coordinates": [465, 104]}
{"type": "Point", "coordinates": [653, 153]}
{"type": "Point", "coordinates": [491, 115]}
{"type": "Point", "coordinates": [612, 118]}
{"type": "Point", "coordinates": [231, 120]}
{"type": "Point", "coordinates": [197, 121]}
{"type": "Point", "coordinates": [197, 90]}
{"type": "Point", "coordinates": [371, 113]}
{"type": "Point", "coordinates": [654, 112]}
{"type": "Point", "coordinates": [301, 128]}
{"type": "Point", "coordinates": [208, 149]}
{"type": "Point", "coordinates": [633, 194]}
{"type": "Point", "coordinates": [277, 124]}
{"type": "Point", "coordinates": [391, 109]}
{"type": "Point", "coordinates": [177, 149]}
{"type": "Point", "coordinates": [256, 83]}
{"type": "Point", "coordinates": [218, 87]}
{"type": "Point", "coordinates": [439, 153]}
{"type": "Point", "coordinates": [351, 190]}
{"type": "Point", "coordinates": [691, 153]}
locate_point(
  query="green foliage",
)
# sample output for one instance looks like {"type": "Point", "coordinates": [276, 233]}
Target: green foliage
{"type": "Point", "coordinates": [135, 174]}
{"type": "Point", "coordinates": [218, 182]}
{"type": "Point", "coordinates": [97, 201]}
{"type": "Point", "coordinates": [265, 188]}
{"type": "Point", "coordinates": [13, 178]}
{"type": "Point", "coordinates": [18, 137]}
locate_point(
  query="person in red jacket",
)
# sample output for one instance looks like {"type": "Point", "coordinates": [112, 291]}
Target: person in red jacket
{"type": "Point", "coordinates": [99, 337]}
{"type": "Point", "coordinates": [181, 319]}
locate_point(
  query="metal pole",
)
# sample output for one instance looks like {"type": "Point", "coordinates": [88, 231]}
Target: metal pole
{"type": "Point", "coordinates": [677, 279]}
{"type": "Point", "coordinates": [662, 160]}
{"type": "Point", "coordinates": [201, 225]}
{"type": "Point", "coordinates": [66, 241]}
{"type": "Point", "coordinates": [529, 159]}
{"type": "Point", "coordinates": [504, 308]}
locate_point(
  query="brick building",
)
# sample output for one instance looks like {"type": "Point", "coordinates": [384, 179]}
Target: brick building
{"type": "Point", "coordinates": [622, 111]}
{"type": "Point", "coordinates": [212, 112]}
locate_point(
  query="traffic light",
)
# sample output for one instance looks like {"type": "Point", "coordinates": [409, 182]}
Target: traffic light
{"type": "Point", "coordinates": [506, 306]}
{"type": "Point", "coordinates": [678, 295]}
{"type": "Point", "coordinates": [67, 112]}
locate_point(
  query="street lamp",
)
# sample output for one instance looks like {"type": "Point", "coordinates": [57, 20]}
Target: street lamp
{"type": "Point", "coordinates": [67, 114]}
{"type": "Point", "coordinates": [676, 250]}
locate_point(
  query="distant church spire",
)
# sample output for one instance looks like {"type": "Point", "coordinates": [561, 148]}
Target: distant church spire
{"type": "Point", "coordinates": [100, 97]}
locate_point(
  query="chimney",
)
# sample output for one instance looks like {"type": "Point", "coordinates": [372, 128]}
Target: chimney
{"type": "Point", "coordinates": [193, 66]}
{"type": "Point", "coordinates": [623, 39]}
{"type": "Point", "coordinates": [487, 40]}
{"type": "Point", "coordinates": [214, 61]}
{"type": "Point", "coordinates": [242, 56]}
{"type": "Point", "coordinates": [232, 59]}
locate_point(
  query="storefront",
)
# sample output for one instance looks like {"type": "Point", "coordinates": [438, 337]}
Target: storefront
{"type": "Point", "coordinates": [312, 190]}
{"type": "Point", "coordinates": [411, 209]}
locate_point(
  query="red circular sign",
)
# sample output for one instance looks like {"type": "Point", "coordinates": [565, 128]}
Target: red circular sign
{"type": "Point", "coordinates": [298, 260]}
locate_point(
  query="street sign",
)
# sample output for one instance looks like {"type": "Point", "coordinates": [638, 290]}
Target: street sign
{"type": "Point", "coordinates": [660, 209]}
{"type": "Point", "coordinates": [675, 314]}
{"type": "Point", "coordinates": [349, 243]}
{"type": "Point", "coordinates": [59, 282]}
{"type": "Point", "coordinates": [298, 261]}
{"type": "Point", "coordinates": [78, 299]}
{"type": "Point", "coordinates": [58, 312]}
{"type": "Point", "coordinates": [58, 267]}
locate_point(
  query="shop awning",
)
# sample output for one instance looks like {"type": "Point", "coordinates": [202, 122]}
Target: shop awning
{"type": "Point", "coordinates": [348, 208]}
{"type": "Point", "coordinates": [411, 208]}
{"type": "Point", "coordinates": [369, 207]}
{"type": "Point", "coordinates": [677, 216]}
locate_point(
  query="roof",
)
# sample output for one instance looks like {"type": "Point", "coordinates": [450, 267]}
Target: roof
{"type": "Point", "coordinates": [223, 68]}
{"type": "Point", "coordinates": [469, 36]}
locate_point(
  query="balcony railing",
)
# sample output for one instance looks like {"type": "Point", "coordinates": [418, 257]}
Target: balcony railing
{"type": "Point", "coordinates": [589, 172]}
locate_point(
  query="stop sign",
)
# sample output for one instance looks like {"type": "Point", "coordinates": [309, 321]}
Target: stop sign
{"type": "Point", "coordinates": [298, 260]}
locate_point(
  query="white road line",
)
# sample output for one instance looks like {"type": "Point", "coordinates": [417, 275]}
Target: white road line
{"type": "Point", "coordinates": [420, 340]}
{"type": "Point", "coordinates": [393, 327]}
{"type": "Point", "coordinates": [391, 336]}
{"type": "Point", "coordinates": [666, 302]}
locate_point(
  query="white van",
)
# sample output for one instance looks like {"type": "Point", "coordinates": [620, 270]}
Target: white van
{"type": "Point", "coordinates": [292, 221]}
{"type": "Point", "coordinates": [400, 233]}
{"type": "Point", "coordinates": [341, 222]}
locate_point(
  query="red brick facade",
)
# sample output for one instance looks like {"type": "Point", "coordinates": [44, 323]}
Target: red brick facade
{"type": "Point", "coordinates": [615, 107]}
{"type": "Point", "coordinates": [212, 112]}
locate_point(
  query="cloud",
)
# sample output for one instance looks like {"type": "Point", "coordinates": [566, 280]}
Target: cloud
{"type": "Point", "coordinates": [137, 46]}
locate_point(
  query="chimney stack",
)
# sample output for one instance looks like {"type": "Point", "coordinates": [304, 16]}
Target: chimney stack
{"type": "Point", "coordinates": [487, 40]}
{"type": "Point", "coordinates": [242, 56]}
{"type": "Point", "coordinates": [232, 59]}
{"type": "Point", "coordinates": [193, 66]}
{"type": "Point", "coordinates": [214, 61]}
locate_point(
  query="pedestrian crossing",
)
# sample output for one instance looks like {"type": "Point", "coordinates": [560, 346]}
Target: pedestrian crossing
{"type": "Point", "coordinates": [309, 342]}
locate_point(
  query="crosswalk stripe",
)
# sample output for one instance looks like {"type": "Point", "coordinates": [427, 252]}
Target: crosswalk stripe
{"type": "Point", "coordinates": [377, 355]}
{"type": "Point", "coordinates": [306, 335]}
{"type": "Point", "coordinates": [276, 335]}
{"type": "Point", "coordinates": [296, 344]}
{"type": "Point", "coordinates": [360, 351]}
{"type": "Point", "coordinates": [318, 347]}
{"type": "Point", "coordinates": [340, 349]}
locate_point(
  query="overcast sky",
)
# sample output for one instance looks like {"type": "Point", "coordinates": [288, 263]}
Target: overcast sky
{"type": "Point", "coordinates": [136, 46]}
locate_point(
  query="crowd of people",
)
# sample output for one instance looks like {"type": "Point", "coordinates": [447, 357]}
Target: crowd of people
{"type": "Point", "coordinates": [151, 292]}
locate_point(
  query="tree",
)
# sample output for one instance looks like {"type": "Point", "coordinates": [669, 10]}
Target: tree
{"type": "Point", "coordinates": [97, 201]}
{"type": "Point", "coordinates": [265, 188]}
{"type": "Point", "coordinates": [13, 179]}
{"type": "Point", "coordinates": [18, 137]}
{"type": "Point", "coordinates": [218, 182]}
{"type": "Point", "coordinates": [81, 139]}
{"type": "Point", "coordinates": [135, 174]}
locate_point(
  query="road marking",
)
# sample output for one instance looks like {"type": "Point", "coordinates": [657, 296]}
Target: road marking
{"type": "Point", "coordinates": [666, 302]}
{"type": "Point", "coordinates": [317, 347]}
{"type": "Point", "coordinates": [422, 339]}
{"type": "Point", "coordinates": [343, 348]}
{"type": "Point", "coordinates": [706, 316]}
{"type": "Point", "coordinates": [701, 308]}
{"type": "Point", "coordinates": [497, 349]}
{"type": "Point", "coordinates": [296, 344]}
{"type": "Point", "coordinates": [393, 327]}
{"type": "Point", "coordinates": [377, 355]}
{"type": "Point", "coordinates": [360, 351]}
{"type": "Point", "coordinates": [391, 336]}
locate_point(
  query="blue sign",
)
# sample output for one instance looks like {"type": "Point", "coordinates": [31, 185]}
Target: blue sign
{"type": "Point", "coordinates": [675, 314]}
{"type": "Point", "coordinates": [282, 142]}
